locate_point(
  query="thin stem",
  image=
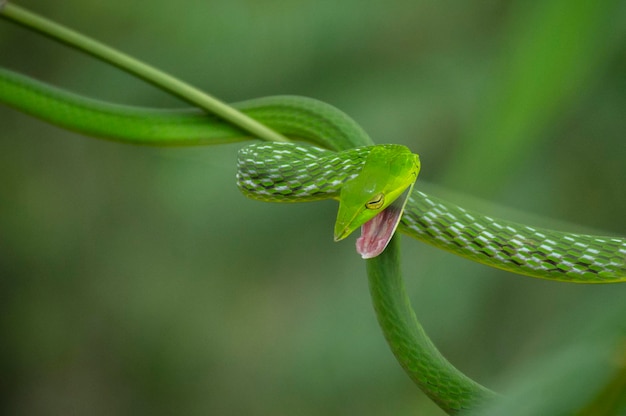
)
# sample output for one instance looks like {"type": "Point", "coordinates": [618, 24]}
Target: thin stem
{"type": "Point", "coordinates": [129, 64]}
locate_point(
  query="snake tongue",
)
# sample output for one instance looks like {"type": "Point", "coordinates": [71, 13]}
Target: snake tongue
{"type": "Point", "coordinates": [377, 232]}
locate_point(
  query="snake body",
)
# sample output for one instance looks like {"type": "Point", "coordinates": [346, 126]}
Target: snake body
{"type": "Point", "coordinates": [499, 243]}
{"type": "Point", "coordinates": [302, 172]}
{"type": "Point", "coordinates": [287, 178]}
{"type": "Point", "coordinates": [515, 247]}
{"type": "Point", "coordinates": [496, 242]}
{"type": "Point", "coordinates": [351, 169]}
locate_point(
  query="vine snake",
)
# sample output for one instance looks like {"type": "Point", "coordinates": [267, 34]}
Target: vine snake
{"type": "Point", "coordinates": [373, 193]}
{"type": "Point", "coordinates": [495, 242]}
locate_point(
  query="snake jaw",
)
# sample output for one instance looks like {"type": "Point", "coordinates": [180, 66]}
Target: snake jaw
{"type": "Point", "coordinates": [377, 232]}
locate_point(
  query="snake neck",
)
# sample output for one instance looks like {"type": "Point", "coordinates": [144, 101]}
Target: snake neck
{"type": "Point", "coordinates": [288, 172]}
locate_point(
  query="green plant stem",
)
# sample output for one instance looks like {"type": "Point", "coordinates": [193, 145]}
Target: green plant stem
{"type": "Point", "coordinates": [140, 69]}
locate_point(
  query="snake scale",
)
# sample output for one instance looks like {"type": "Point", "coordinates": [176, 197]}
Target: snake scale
{"type": "Point", "coordinates": [374, 186]}
{"type": "Point", "coordinates": [507, 245]}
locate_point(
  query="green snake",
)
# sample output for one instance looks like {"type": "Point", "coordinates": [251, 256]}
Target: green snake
{"type": "Point", "coordinates": [373, 184]}
{"type": "Point", "coordinates": [507, 245]}
{"type": "Point", "coordinates": [374, 187]}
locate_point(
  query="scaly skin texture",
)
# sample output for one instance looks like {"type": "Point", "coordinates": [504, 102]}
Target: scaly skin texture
{"type": "Point", "coordinates": [499, 243]}
{"type": "Point", "coordinates": [282, 172]}
{"type": "Point", "coordinates": [515, 247]}
{"type": "Point", "coordinates": [287, 172]}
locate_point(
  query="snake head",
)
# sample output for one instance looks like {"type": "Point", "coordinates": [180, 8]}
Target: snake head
{"type": "Point", "coordinates": [375, 198]}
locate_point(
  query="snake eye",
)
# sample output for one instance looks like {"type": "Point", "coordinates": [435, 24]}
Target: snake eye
{"type": "Point", "coordinates": [375, 202]}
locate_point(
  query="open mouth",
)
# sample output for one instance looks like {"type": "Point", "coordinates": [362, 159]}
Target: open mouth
{"type": "Point", "coordinates": [377, 232]}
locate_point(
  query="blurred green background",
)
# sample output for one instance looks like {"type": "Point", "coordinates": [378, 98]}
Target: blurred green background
{"type": "Point", "coordinates": [138, 280]}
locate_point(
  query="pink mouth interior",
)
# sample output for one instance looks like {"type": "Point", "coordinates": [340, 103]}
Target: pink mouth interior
{"type": "Point", "coordinates": [377, 232]}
